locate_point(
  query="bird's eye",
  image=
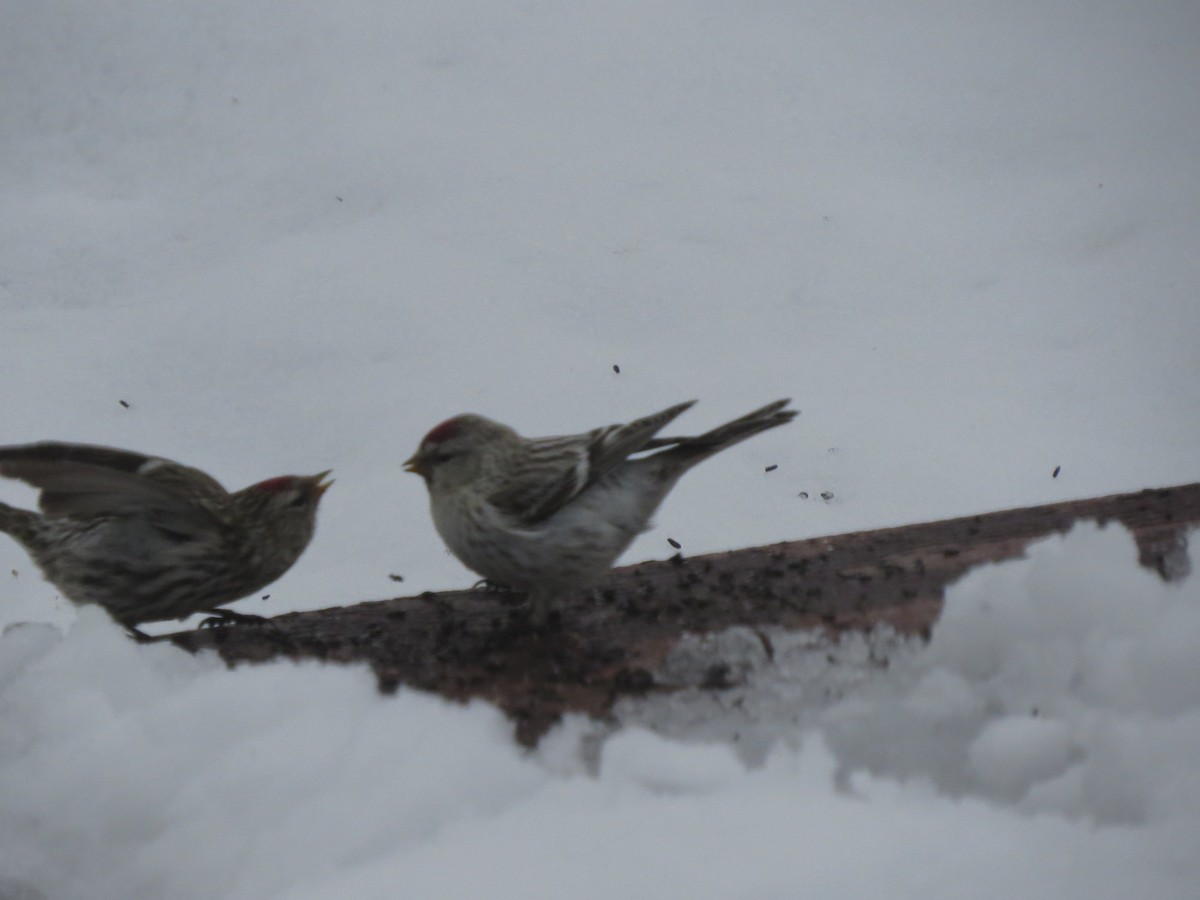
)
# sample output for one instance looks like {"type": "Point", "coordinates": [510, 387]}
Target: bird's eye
{"type": "Point", "coordinates": [440, 457]}
{"type": "Point", "coordinates": [300, 500]}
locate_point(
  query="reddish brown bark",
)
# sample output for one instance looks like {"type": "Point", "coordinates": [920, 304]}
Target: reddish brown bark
{"type": "Point", "coordinates": [467, 644]}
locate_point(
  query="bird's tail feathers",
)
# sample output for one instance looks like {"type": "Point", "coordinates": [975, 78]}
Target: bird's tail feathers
{"type": "Point", "coordinates": [20, 523]}
{"type": "Point", "coordinates": [695, 449]}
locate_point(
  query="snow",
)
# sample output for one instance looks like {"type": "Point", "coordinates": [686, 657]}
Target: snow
{"type": "Point", "coordinates": [961, 236]}
{"type": "Point", "coordinates": [1000, 758]}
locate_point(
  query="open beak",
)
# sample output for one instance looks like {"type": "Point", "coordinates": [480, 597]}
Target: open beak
{"type": "Point", "coordinates": [320, 485]}
{"type": "Point", "coordinates": [417, 466]}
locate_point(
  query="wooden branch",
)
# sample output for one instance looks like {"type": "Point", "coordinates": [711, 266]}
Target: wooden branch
{"type": "Point", "coordinates": [608, 642]}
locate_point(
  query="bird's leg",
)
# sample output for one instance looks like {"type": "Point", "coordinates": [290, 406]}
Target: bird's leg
{"type": "Point", "coordinates": [222, 617]}
{"type": "Point", "coordinates": [142, 638]}
{"type": "Point", "coordinates": [491, 587]}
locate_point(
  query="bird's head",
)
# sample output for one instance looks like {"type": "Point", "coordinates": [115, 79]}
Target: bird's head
{"type": "Point", "coordinates": [285, 509]}
{"type": "Point", "coordinates": [459, 450]}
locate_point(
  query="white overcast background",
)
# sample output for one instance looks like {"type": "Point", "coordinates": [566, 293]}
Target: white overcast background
{"type": "Point", "coordinates": [963, 237]}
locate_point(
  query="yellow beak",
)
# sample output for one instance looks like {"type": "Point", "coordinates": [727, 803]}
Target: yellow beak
{"type": "Point", "coordinates": [417, 466]}
{"type": "Point", "coordinates": [320, 485]}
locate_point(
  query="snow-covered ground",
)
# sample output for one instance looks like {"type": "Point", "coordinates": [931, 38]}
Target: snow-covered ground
{"type": "Point", "coordinates": [1044, 744]}
{"type": "Point", "coordinates": [294, 236]}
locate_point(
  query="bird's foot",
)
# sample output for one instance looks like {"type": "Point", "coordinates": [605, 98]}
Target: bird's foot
{"type": "Point", "coordinates": [220, 618]}
{"type": "Point", "coordinates": [492, 587]}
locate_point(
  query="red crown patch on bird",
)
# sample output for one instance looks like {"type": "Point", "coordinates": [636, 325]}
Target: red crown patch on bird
{"type": "Point", "coordinates": [443, 432]}
{"type": "Point", "coordinates": [282, 483]}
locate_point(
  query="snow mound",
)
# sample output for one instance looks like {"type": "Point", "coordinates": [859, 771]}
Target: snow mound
{"type": "Point", "coordinates": [1058, 694]}
{"type": "Point", "coordinates": [1067, 682]}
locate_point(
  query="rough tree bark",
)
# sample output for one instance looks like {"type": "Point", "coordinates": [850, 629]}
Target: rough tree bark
{"type": "Point", "coordinates": [608, 642]}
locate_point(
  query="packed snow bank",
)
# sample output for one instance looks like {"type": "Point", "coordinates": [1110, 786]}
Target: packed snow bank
{"type": "Point", "coordinates": [1067, 682]}
{"type": "Point", "coordinates": [1045, 740]}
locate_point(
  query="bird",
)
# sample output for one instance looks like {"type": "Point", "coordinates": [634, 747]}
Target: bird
{"type": "Point", "coordinates": [150, 539]}
{"type": "Point", "coordinates": [549, 515]}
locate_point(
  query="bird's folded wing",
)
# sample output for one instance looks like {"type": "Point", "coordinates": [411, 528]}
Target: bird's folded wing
{"type": "Point", "coordinates": [556, 469]}
{"type": "Point", "coordinates": [538, 485]}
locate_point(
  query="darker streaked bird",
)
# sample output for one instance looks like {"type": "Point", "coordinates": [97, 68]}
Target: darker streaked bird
{"type": "Point", "coordinates": [150, 539]}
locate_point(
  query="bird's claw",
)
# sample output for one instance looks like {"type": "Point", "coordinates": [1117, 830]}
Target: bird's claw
{"type": "Point", "coordinates": [222, 618]}
{"type": "Point", "coordinates": [492, 587]}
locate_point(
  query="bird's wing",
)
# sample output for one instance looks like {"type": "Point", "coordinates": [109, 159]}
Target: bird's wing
{"type": "Point", "coordinates": [556, 469]}
{"type": "Point", "coordinates": [83, 480]}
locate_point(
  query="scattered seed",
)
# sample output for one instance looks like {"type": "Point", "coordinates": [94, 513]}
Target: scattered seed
{"type": "Point", "coordinates": [396, 577]}
{"type": "Point", "coordinates": [1057, 469]}
{"type": "Point", "coordinates": [338, 199]}
{"type": "Point", "coordinates": [771, 468]}
{"type": "Point", "coordinates": [674, 543]}
{"type": "Point", "coordinates": [124, 403]}
{"type": "Point", "coordinates": [14, 571]}
{"type": "Point", "coordinates": [266, 596]}
{"type": "Point", "coordinates": [826, 496]}
{"type": "Point", "coordinates": [616, 368]}
{"type": "Point", "coordinates": [803, 495]}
